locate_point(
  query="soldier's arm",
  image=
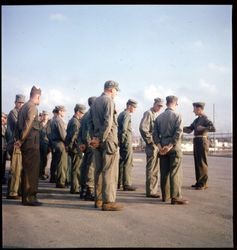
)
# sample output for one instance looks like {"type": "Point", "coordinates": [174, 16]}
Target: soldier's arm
{"type": "Point", "coordinates": [156, 133]}
{"type": "Point", "coordinates": [124, 127]}
{"type": "Point", "coordinates": [178, 130]}
{"type": "Point", "coordinates": [108, 120]}
{"type": "Point", "coordinates": [30, 116]}
{"type": "Point", "coordinates": [188, 129]}
{"type": "Point", "coordinates": [144, 128]}
{"type": "Point", "coordinates": [208, 126]}
{"type": "Point", "coordinates": [62, 131]}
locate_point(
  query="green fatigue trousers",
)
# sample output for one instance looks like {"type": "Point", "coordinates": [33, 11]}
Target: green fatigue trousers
{"type": "Point", "coordinates": [14, 180]}
{"type": "Point", "coordinates": [53, 166]}
{"type": "Point", "coordinates": [44, 150]}
{"type": "Point", "coordinates": [30, 173]}
{"type": "Point", "coordinates": [106, 174]}
{"type": "Point", "coordinates": [125, 166]}
{"type": "Point", "coordinates": [76, 160]}
{"type": "Point", "coordinates": [61, 163]}
{"type": "Point", "coordinates": [171, 174]}
{"type": "Point", "coordinates": [200, 150]}
{"type": "Point", "coordinates": [152, 169]}
{"type": "Point", "coordinates": [88, 170]}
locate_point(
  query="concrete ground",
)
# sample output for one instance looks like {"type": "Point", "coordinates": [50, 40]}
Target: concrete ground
{"type": "Point", "coordinates": [65, 221]}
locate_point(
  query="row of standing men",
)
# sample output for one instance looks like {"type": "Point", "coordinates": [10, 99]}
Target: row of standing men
{"type": "Point", "coordinates": [99, 146]}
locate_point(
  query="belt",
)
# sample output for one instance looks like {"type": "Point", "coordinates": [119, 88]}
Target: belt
{"type": "Point", "coordinates": [200, 136]}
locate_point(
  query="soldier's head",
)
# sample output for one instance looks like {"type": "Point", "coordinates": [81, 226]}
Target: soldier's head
{"type": "Point", "coordinates": [91, 100]}
{"type": "Point", "coordinates": [4, 118]}
{"type": "Point", "coordinates": [158, 104]}
{"type": "Point", "coordinates": [131, 105]}
{"type": "Point", "coordinates": [45, 116]}
{"type": "Point", "coordinates": [60, 110]}
{"type": "Point", "coordinates": [80, 110]}
{"type": "Point", "coordinates": [19, 101]}
{"type": "Point", "coordinates": [111, 88]}
{"type": "Point", "coordinates": [35, 95]}
{"type": "Point", "coordinates": [198, 108]}
{"type": "Point", "coordinates": [172, 101]}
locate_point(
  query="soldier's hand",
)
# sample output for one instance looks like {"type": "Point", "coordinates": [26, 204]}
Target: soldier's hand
{"type": "Point", "coordinates": [95, 142]}
{"type": "Point", "coordinates": [17, 144]}
{"type": "Point", "coordinates": [200, 128]}
{"type": "Point", "coordinates": [82, 148]}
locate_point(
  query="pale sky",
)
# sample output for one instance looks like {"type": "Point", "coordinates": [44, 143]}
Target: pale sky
{"type": "Point", "coordinates": [69, 51]}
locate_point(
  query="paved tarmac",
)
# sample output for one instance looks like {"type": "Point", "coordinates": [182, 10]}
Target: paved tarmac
{"type": "Point", "coordinates": [65, 221]}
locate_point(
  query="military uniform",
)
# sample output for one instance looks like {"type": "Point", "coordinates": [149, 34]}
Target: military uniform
{"type": "Point", "coordinates": [58, 135]}
{"type": "Point", "coordinates": [200, 146]}
{"type": "Point", "coordinates": [14, 180]}
{"type": "Point", "coordinates": [44, 148]}
{"type": "Point", "coordinates": [88, 166]}
{"type": "Point", "coordinates": [168, 129]}
{"type": "Point", "coordinates": [76, 156]}
{"type": "Point", "coordinates": [125, 149]}
{"type": "Point", "coordinates": [106, 156]}
{"type": "Point", "coordinates": [28, 134]}
{"type": "Point", "coordinates": [152, 159]}
{"type": "Point", "coordinates": [4, 149]}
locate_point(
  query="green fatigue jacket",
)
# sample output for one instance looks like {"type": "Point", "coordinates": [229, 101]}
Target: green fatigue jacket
{"type": "Point", "coordinates": [58, 131]}
{"type": "Point", "coordinates": [44, 131]}
{"type": "Point", "coordinates": [124, 129]}
{"type": "Point", "coordinates": [11, 127]}
{"type": "Point", "coordinates": [147, 125]}
{"type": "Point", "coordinates": [168, 128]}
{"type": "Point", "coordinates": [203, 121]}
{"type": "Point", "coordinates": [27, 132]}
{"type": "Point", "coordinates": [104, 119]}
{"type": "Point", "coordinates": [84, 135]}
{"type": "Point", "coordinates": [72, 134]}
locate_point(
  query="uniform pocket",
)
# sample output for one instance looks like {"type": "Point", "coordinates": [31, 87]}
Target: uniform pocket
{"type": "Point", "coordinates": [110, 147]}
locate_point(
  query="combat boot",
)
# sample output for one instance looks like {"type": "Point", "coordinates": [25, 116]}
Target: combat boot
{"type": "Point", "coordinates": [111, 206]}
{"type": "Point", "coordinates": [98, 204]}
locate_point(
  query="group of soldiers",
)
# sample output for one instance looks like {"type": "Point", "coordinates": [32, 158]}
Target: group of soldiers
{"type": "Point", "coordinates": [93, 154]}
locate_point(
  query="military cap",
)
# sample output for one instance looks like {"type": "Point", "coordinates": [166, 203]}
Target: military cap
{"type": "Point", "coordinates": [60, 108]}
{"type": "Point", "coordinates": [199, 104]}
{"type": "Point", "coordinates": [111, 84]}
{"type": "Point", "coordinates": [171, 98]}
{"type": "Point", "coordinates": [91, 100]}
{"type": "Point", "coordinates": [159, 101]}
{"type": "Point", "coordinates": [20, 98]}
{"type": "Point", "coordinates": [44, 112]}
{"type": "Point", "coordinates": [35, 91]}
{"type": "Point", "coordinates": [4, 115]}
{"type": "Point", "coordinates": [80, 107]}
{"type": "Point", "coordinates": [132, 103]}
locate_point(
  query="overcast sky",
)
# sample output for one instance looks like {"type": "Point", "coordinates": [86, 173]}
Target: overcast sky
{"type": "Point", "coordinates": [69, 51]}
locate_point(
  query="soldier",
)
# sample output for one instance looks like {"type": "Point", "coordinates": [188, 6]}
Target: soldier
{"type": "Point", "coordinates": [44, 144]}
{"type": "Point", "coordinates": [125, 146]}
{"type": "Point", "coordinates": [152, 159]}
{"type": "Point", "coordinates": [88, 166]}
{"type": "Point", "coordinates": [201, 126]}
{"type": "Point", "coordinates": [167, 134]}
{"type": "Point", "coordinates": [4, 147]}
{"type": "Point", "coordinates": [71, 144]}
{"type": "Point", "coordinates": [14, 180]}
{"type": "Point", "coordinates": [12, 120]}
{"type": "Point", "coordinates": [53, 166]}
{"type": "Point", "coordinates": [58, 135]}
{"type": "Point", "coordinates": [105, 142]}
{"type": "Point", "coordinates": [27, 134]}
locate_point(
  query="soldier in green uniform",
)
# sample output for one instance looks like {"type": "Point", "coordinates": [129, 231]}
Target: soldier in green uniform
{"type": "Point", "coordinates": [125, 147]}
{"type": "Point", "coordinates": [152, 159]}
{"type": "Point", "coordinates": [88, 166]}
{"type": "Point", "coordinates": [58, 135]}
{"type": "Point", "coordinates": [44, 144]}
{"type": "Point", "coordinates": [27, 135]}
{"type": "Point", "coordinates": [105, 142]}
{"type": "Point", "coordinates": [4, 147]}
{"type": "Point", "coordinates": [201, 126]}
{"type": "Point", "coordinates": [71, 144]}
{"type": "Point", "coordinates": [14, 180]}
{"type": "Point", "coordinates": [167, 134]}
{"type": "Point", "coordinates": [53, 166]}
